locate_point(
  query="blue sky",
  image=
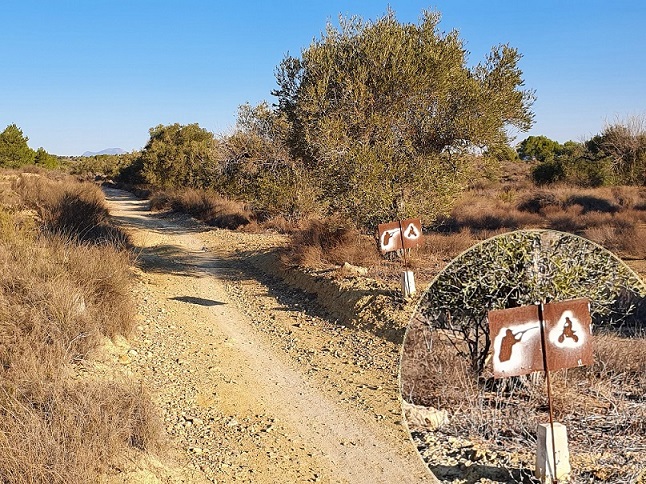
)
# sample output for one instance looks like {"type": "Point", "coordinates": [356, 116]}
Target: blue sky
{"type": "Point", "coordinates": [96, 74]}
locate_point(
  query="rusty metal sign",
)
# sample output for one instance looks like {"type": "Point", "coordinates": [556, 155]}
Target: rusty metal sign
{"type": "Point", "coordinates": [517, 342]}
{"type": "Point", "coordinates": [568, 334]}
{"type": "Point", "coordinates": [404, 234]}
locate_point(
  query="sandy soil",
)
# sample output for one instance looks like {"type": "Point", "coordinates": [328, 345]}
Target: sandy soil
{"type": "Point", "coordinates": [254, 382]}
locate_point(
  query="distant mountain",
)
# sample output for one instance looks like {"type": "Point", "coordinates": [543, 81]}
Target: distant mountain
{"type": "Point", "coordinates": [109, 151]}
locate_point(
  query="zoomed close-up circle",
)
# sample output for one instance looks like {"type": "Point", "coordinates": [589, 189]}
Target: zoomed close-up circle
{"type": "Point", "coordinates": [471, 425]}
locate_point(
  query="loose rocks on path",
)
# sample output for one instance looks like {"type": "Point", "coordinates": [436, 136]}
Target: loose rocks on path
{"type": "Point", "coordinates": [253, 383]}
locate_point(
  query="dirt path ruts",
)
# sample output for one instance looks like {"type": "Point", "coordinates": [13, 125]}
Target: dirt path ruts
{"type": "Point", "coordinates": [253, 385]}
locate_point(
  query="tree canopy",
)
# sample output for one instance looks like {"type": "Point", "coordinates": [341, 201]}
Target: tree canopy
{"type": "Point", "coordinates": [383, 111]}
{"type": "Point", "coordinates": [256, 165]}
{"type": "Point", "coordinates": [617, 155]}
{"type": "Point", "coordinates": [623, 145]}
{"type": "Point", "coordinates": [14, 151]}
{"type": "Point", "coordinates": [179, 156]}
{"type": "Point", "coordinates": [539, 148]}
{"type": "Point", "coordinates": [44, 159]}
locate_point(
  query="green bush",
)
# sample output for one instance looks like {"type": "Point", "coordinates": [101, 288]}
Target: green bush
{"type": "Point", "coordinates": [548, 172]}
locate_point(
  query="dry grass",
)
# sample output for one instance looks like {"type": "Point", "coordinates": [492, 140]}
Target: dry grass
{"type": "Point", "coordinates": [446, 246]}
{"type": "Point", "coordinates": [280, 224]}
{"type": "Point", "coordinates": [60, 432]}
{"type": "Point", "coordinates": [331, 240]}
{"type": "Point", "coordinates": [613, 217]}
{"type": "Point", "coordinates": [603, 406]}
{"type": "Point", "coordinates": [69, 208]}
{"type": "Point", "coordinates": [206, 206]}
{"type": "Point", "coordinates": [58, 298]}
{"type": "Point", "coordinates": [486, 212]}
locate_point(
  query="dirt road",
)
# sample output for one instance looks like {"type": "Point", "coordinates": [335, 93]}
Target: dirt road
{"type": "Point", "coordinates": [254, 383]}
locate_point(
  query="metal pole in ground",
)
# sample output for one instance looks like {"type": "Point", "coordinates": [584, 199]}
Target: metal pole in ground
{"type": "Point", "coordinates": [541, 323]}
{"type": "Point", "coordinates": [401, 237]}
{"type": "Point", "coordinates": [407, 280]}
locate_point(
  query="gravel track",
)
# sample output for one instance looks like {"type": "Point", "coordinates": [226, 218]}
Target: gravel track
{"type": "Point", "coordinates": [253, 382]}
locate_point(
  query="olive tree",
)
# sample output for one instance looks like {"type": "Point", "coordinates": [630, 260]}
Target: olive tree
{"type": "Point", "coordinates": [388, 115]}
{"type": "Point", "coordinates": [255, 164]}
{"type": "Point", "coordinates": [179, 156]}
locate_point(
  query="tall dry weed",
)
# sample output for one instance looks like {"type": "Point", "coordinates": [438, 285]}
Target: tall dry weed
{"type": "Point", "coordinates": [206, 206]}
{"type": "Point", "coordinates": [58, 298]}
{"type": "Point", "coordinates": [69, 208]}
{"type": "Point", "coordinates": [62, 432]}
{"type": "Point", "coordinates": [331, 240]}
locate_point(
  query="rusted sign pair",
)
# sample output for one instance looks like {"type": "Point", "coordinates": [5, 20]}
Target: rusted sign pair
{"type": "Point", "coordinates": [404, 234]}
{"type": "Point", "coordinates": [520, 336]}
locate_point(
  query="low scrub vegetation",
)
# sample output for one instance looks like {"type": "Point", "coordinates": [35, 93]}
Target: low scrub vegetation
{"type": "Point", "coordinates": [69, 208]}
{"type": "Point", "coordinates": [611, 216]}
{"type": "Point", "coordinates": [59, 296]}
{"type": "Point", "coordinates": [208, 207]}
{"type": "Point", "coordinates": [614, 217]}
{"type": "Point", "coordinates": [446, 357]}
{"type": "Point", "coordinates": [331, 240]}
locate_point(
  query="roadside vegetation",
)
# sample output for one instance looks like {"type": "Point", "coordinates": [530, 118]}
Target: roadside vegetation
{"type": "Point", "coordinates": [446, 358]}
{"type": "Point", "coordinates": [64, 287]}
{"type": "Point", "coordinates": [374, 121]}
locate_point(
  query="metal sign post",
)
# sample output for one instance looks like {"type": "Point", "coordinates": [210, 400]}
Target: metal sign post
{"type": "Point", "coordinates": [401, 235]}
{"type": "Point", "coordinates": [403, 242]}
{"type": "Point", "coordinates": [541, 323]}
{"type": "Point", "coordinates": [543, 337]}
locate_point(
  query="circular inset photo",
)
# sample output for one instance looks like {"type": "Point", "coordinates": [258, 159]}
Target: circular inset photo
{"type": "Point", "coordinates": [474, 386]}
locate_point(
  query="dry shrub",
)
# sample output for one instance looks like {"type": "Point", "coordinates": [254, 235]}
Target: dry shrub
{"type": "Point", "coordinates": [622, 234]}
{"type": "Point", "coordinates": [70, 208]}
{"type": "Point", "coordinates": [614, 355]}
{"type": "Point", "coordinates": [160, 201]}
{"type": "Point", "coordinates": [332, 240]}
{"type": "Point", "coordinates": [446, 246]}
{"type": "Point", "coordinates": [608, 216]}
{"type": "Point", "coordinates": [426, 365]}
{"type": "Point", "coordinates": [591, 203]}
{"type": "Point", "coordinates": [62, 297]}
{"type": "Point", "coordinates": [479, 213]}
{"type": "Point", "coordinates": [603, 200]}
{"type": "Point", "coordinates": [61, 432]}
{"type": "Point", "coordinates": [208, 207]}
{"type": "Point", "coordinates": [629, 197]}
{"type": "Point", "coordinates": [562, 197]}
{"type": "Point", "coordinates": [57, 300]}
{"type": "Point", "coordinates": [536, 202]}
{"type": "Point", "coordinates": [280, 224]}
{"type": "Point", "coordinates": [517, 174]}
{"type": "Point", "coordinates": [566, 220]}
